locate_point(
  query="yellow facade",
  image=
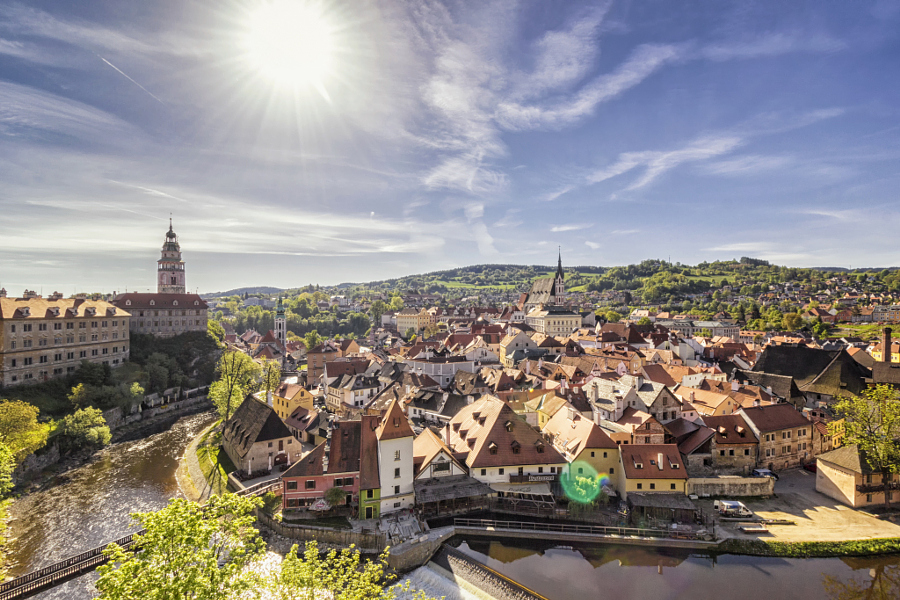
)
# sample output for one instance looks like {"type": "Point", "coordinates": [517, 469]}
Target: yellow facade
{"type": "Point", "coordinates": [655, 485]}
{"type": "Point", "coordinates": [285, 406]}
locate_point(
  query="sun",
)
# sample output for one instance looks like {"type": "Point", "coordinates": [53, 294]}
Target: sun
{"type": "Point", "coordinates": [290, 42]}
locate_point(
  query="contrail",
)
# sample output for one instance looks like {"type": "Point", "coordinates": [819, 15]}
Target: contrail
{"type": "Point", "coordinates": [130, 79]}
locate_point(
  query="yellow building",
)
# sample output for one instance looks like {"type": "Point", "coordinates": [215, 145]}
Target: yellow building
{"type": "Point", "coordinates": [43, 338]}
{"type": "Point", "coordinates": [878, 352]}
{"type": "Point", "coordinates": [410, 318]}
{"type": "Point", "coordinates": [845, 475]}
{"type": "Point", "coordinates": [581, 441]}
{"type": "Point", "coordinates": [553, 320]}
{"type": "Point", "coordinates": [648, 468]}
{"type": "Point", "coordinates": [288, 397]}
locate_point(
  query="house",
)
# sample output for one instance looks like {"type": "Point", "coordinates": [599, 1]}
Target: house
{"type": "Point", "coordinates": [316, 359]}
{"type": "Point", "coordinates": [785, 435]}
{"type": "Point", "coordinates": [499, 448]}
{"type": "Point", "coordinates": [643, 427]}
{"type": "Point", "coordinates": [395, 460]}
{"type": "Point", "coordinates": [581, 442]}
{"type": "Point", "coordinates": [442, 481]}
{"type": "Point", "coordinates": [332, 464]}
{"type": "Point", "coordinates": [288, 397]}
{"type": "Point", "coordinates": [256, 439]}
{"type": "Point", "coordinates": [821, 375]}
{"type": "Point", "coordinates": [735, 446]}
{"type": "Point", "coordinates": [653, 468]}
{"type": "Point", "coordinates": [307, 425]}
{"type": "Point", "coordinates": [846, 475]}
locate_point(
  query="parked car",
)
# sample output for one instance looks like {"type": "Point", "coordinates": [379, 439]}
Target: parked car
{"type": "Point", "coordinates": [764, 473]}
{"type": "Point", "coordinates": [732, 508]}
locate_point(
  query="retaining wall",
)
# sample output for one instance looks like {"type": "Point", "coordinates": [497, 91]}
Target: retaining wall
{"type": "Point", "coordinates": [340, 537]}
{"type": "Point", "coordinates": [731, 486]}
{"type": "Point", "coordinates": [414, 553]}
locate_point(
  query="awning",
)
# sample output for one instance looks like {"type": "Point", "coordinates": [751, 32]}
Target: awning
{"type": "Point", "coordinates": [534, 489]}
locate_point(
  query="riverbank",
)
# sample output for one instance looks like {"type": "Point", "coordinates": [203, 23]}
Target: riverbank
{"type": "Point", "coordinates": [191, 476]}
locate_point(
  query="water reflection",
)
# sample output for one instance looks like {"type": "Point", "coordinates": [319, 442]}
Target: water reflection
{"type": "Point", "coordinates": [575, 573]}
{"type": "Point", "coordinates": [879, 581]}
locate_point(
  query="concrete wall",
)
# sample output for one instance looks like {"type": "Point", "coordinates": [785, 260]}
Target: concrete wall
{"type": "Point", "coordinates": [731, 486]}
{"type": "Point", "coordinates": [836, 482]}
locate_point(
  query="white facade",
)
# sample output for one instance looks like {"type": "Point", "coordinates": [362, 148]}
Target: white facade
{"type": "Point", "coordinates": [501, 474]}
{"type": "Point", "coordinates": [395, 468]}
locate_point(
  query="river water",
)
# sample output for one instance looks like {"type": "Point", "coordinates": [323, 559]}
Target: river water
{"type": "Point", "coordinates": [91, 505]}
{"type": "Point", "coordinates": [630, 572]}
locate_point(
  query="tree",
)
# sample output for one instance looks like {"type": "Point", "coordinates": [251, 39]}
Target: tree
{"type": "Point", "coordinates": [86, 427]}
{"type": "Point", "coordinates": [644, 321]}
{"type": "Point", "coordinates": [188, 551]}
{"type": "Point", "coordinates": [215, 330]}
{"type": "Point", "coordinates": [396, 304]}
{"type": "Point", "coordinates": [791, 321]}
{"type": "Point", "coordinates": [312, 339]}
{"type": "Point", "coordinates": [872, 421]}
{"type": "Point", "coordinates": [7, 466]}
{"type": "Point", "coordinates": [19, 428]}
{"type": "Point", "coordinates": [410, 334]}
{"type": "Point", "coordinates": [335, 496]}
{"type": "Point", "coordinates": [237, 376]}
{"type": "Point", "coordinates": [78, 396]}
{"type": "Point", "coordinates": [378, 308]}
{"type": "Point", "coordinates": [270, 375]}
{"type": "Point", "coordinates": [612, 316]}
{"type": "Point", "coordinates": [340, 576]}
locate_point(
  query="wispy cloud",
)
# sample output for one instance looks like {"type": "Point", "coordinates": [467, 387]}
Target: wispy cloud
{"type": "Point", "coordinates": [571, 227]}
{"type": "Point", "coordinates": [592, 245]}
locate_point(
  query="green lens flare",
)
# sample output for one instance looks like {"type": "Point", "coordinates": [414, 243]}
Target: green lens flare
{"type": "Point", "coordinates": [582, 483]}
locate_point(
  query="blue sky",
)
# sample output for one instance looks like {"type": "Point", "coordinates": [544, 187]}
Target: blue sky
{"type": "Point", "coordinates": [444, 134]}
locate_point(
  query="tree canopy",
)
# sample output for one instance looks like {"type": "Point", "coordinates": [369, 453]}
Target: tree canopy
{"type": "Point", "coordinates": [238, 375]}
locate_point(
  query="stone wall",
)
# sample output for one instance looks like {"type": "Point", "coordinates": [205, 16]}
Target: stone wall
{"type": "Point", "coordinates": [730, 486]}
{"type": "Point", "coordinates": [338, 537]}
{"type": "Point", "coordinates": [32, 463]}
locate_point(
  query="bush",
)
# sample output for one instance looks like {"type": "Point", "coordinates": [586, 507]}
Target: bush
{"type": "Point", "coordinates": [86, 428]}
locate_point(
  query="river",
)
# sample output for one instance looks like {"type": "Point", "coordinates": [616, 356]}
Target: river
{"type": "Point", "coordinates": [91, 505]}
{"type": "Point", "coordinates": [631, 572]}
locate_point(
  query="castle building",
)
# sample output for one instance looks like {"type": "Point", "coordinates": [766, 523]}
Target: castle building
{"type": "Point", "coordinates": [43, 338]}
{"type": "Point", "coordinates": [171, 311]}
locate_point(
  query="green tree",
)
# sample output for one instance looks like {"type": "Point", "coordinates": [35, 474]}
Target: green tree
{"type": "Point", "coordinates": [410, 334]}
{"type": "Point", "coordinates": [270, 375]}
{"type": "Point", "coordinates": [612, 316]}
{"type": "Point", "coordinates": [79, 396]}
{"type": "Point", "coordinates": [335, 496]}
{"type": "Point", "coordinates": [188, 552]}
{"type": "Point", "coordinates": [396, 304]}
{"type": "Point", "coordinates": [19, 428]}
{"type": "Point", "coordinates": [237, 376]}
{"type": "Point", "coordinates": [215, 330]}
{"type": "Point", "coordinates": [7, 466]}
{"type": "Point", "coordinates": [339, 576]}
{"type": "Point", "coordinates": [85, 428]}
{"type": "Point", "coordinates": [312, 339]}
{"type": "Point", "coordinates": [644, 321]}
{"type": "Point", "coordinates": [792, 321]}
{"type": "Point", "coordinates": [378, 308]}
{"type": "Point", "coordinates": [872, 421]}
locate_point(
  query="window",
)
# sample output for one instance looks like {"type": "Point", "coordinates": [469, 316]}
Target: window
{"type": "Point", "coordinates": [731, 453]}
{"type": "Point", "coordinates": [270, 444]}
{"type": "Point", "coordinates": [500, 471]}
{"type": "Point", "coordinates": [370, 494]}
{"type": "Point", "coordinates": [396, 455]}
{"type": "Point", "coordinates": [604, 455]}
{"type": "Point", "coordinates": [484, 472]}
{"type": "Point", "coordinates": [721, 453]}
{"type": "Point", "coordinates": [13, 362]}
{"type": "Point", "coordinates": [652, 486]}
{"type": "Point", "coordinates": [291, 485]}
{"type": "Point", "coordinates": [612, 471]}
{"type": "Point", "coordinates": [397, 473]}
{"type": "Point", "coordinates": [868, 497]}
{"type": "Point", "coordinates": [310, 484]}
{"type": "Point", "coordinates": [640, 486]}
{"type": "Point", "coordinates": [592, 454]}
{"type": "Point", "coordinates": [396, 489]}
{"type": "Point", "coordinates": [396, 505]}
{"type": "Point", "coordinates": [671, 486]}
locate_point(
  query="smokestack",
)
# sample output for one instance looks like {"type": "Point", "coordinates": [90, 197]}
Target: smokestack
{"type": "Point", "coordinates": [659, 461]}
{"type": "Point", "coordinates": [886, 345]}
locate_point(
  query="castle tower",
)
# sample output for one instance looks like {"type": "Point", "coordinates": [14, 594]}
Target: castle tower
{"type": "Point", "coordinates": [280, 324]}
{"type": "Point", "coordinates": [559, 285]}
{"type": "Point", "coordinates": [170, 267]}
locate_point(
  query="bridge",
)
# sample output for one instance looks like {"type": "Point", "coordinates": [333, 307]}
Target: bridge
{"type": "Point", "coordinates": [85, 562]}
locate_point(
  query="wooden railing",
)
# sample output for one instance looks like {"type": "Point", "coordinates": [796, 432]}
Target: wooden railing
{"type": "Point", "coordinates": [490, 524]}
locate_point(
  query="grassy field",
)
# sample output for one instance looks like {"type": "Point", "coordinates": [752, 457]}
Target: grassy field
{"type": "Point", "coordinates": [866, 331]}
{"type": "Point", "coordinates": [214, 463]}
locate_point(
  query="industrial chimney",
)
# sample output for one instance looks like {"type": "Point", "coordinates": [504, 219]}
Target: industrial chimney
{"type": "Point", "coordinates": [886, 345]}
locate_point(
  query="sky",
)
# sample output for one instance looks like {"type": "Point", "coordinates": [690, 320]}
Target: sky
{"type": "Point", "coordinates": [359, 141]}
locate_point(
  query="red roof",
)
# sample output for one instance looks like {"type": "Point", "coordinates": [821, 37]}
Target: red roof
{"type": "Point", "coordinates": [133, 300]}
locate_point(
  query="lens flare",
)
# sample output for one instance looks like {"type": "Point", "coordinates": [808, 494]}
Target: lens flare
{"type": "Point", "coordinates": [581, 482]}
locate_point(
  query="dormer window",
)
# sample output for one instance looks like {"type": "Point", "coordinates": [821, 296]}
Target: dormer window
{"type": "Point", "coordinates": [175, 303]}
{"type": "Point", "coordinates": [516, 447]}
{"type": "Point", "coordinates": [196, 303]}
{"type": "Point", "coordinates": [456, 427]}
{"type": "Point", "coordinates": [153, 303]}
{"type": "Point", "coordinates": [508, 425]}
{"type": "Point", "coordinates": [492, 448]}
{"type": "Point", "coordinates": [128, 303]}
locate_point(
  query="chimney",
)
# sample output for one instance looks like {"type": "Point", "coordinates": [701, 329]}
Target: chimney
{"type": "Point", "coordinates": [269, 398]}
{"type": "Point", "coordinates": [659, 461]}
{"type": "Point", "coordinates": [886, 345]}
{"type": "Point", "coordinates": [735, 386]}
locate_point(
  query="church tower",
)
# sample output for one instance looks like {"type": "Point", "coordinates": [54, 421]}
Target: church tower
{"type": "Point", "coordinates": [170, 267]}
{"type": "Point", "coordinates": [559, 285]}
{"type": "Point", "coordinates": [281, 324]}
